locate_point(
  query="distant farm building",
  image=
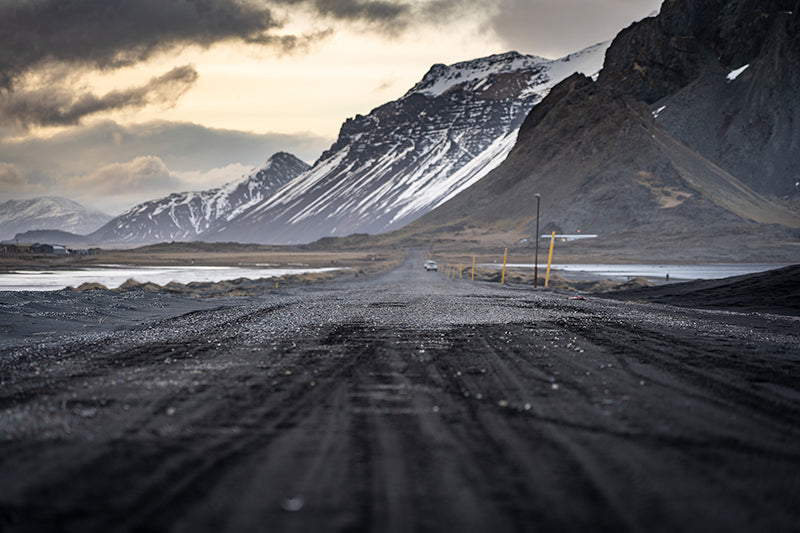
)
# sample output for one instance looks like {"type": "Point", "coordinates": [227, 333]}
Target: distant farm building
{"type": "Point", "coordinates": [56, 249]}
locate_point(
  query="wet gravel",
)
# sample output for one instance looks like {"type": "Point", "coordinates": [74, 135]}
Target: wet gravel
{"type": "Point", "coordinates": [405, 401]}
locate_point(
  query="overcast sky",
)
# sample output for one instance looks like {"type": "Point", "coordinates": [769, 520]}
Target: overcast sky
{"type": "Point", "coordinates": [113, 102]}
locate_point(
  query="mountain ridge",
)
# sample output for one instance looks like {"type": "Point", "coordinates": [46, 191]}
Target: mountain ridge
{"type": "Point", "coordinates": [48, 212]}
{"type": "Point", "coordinates": [186, 215]}
{"type": "Point", "coordinates": [407, 156]}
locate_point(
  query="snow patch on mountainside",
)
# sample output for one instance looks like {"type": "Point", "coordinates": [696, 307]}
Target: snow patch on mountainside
{"type": "Point", "coordinates": [440, 78]}
{"type": "Point", "coordinates": [736, 73]}
{"type": "Point", "coordinates": [588, 62]}
{"type": "Point", "coordinates": [416, 199]}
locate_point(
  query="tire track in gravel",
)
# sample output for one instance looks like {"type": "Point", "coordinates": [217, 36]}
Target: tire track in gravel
{"type": "Point", "coordinates": [707, 364]}
{"type": "Point", "coordinates": [180, 468]}
{"type": "Point", "coordinates": [512, 427]}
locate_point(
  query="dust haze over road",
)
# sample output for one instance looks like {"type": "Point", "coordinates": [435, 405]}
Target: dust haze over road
{"type": "Point", "coordinates": [403, 402]}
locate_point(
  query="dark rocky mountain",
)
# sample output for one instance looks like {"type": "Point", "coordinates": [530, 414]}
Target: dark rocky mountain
{"type": "Point", "coordinates": [722, 77]}
{"type": "Point", "coordinates": [408, 156]}
{"type": "Point", "coordinates": [673, 141]}
{"type": "Point", "coordinates": [52, 236]}
{"type": "Point", "coordinates": [184, 216]}
{"type": "Point", "coordinates": [49, 212]}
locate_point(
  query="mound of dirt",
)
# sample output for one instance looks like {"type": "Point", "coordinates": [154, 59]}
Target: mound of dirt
{"type": "Point", "coordinates": [775, 291]}
{"type": "Point", "coordinates": [226, 288]}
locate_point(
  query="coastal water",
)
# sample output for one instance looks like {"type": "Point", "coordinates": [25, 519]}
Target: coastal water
{"type": "Point", "coordinates": [653, 272]}
{"type": "Point", "coordinates": [112, 276]}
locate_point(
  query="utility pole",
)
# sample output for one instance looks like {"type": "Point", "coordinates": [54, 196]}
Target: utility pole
{"type": "Point", "coordinates": [536, 260]}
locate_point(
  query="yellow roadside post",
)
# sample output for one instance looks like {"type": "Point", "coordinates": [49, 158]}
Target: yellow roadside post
{"type": "Point", "coordinates": [473, 268]}
{"type": "Point", "coordinates": [503, 277]}
{"type": "Point", "coordinates": [459, 271]}
{"type": "Point", "coordinates": [550, 258]}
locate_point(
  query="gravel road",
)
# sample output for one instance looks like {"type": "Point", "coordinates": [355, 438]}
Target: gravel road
{"type": "Point", "coordinates": [401, 402]}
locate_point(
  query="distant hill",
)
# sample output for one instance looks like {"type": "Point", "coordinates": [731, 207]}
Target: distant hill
{"type": "Point", "coordinates": [49, 212]}
{"type": "Point", "coordinates": [186, 215]}
{"type": "Point", "coordinates": [51, 236]}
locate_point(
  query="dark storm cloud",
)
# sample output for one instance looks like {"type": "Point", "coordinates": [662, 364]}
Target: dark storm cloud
{"type": "Point", "coordinates": [149, 159]}
{"type": "Point", "coordinates": [182, 146]}
{"type": "Point", "coordinates": [554, 29]}
{"type": "Point", "coordinates": [11, 178]}
{"type": "Point", "coordinates": [53, 42]}
{"type": "Point", "coordinates": [145, 174]}
{"type": "Point", "coordinates": [394, 16]}
{"type": "Point", "coordinates": [107, 34]}
{"type": "Point", "coordinates": [367, 11]}
{"type": "Point", "coordinates": [57, 106]}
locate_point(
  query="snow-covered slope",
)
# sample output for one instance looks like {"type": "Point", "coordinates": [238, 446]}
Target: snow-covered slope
{"type": "Point", "coordinates": [184, 216]}
{"type": "Point", "coordinates": [411, 155]}
{"type": "Point", "coordinates": [49, 212]}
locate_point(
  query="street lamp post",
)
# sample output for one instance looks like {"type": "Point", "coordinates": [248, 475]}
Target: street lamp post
{"type": "Point", "coordinates": [536, 260]}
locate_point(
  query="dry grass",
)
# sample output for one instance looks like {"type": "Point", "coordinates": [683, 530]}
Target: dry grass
{"type": "Point", "coordinates": [200, 254]}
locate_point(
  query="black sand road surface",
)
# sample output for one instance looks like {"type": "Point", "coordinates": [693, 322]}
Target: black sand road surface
{"type": "Point", "coordinates": [401, 402]}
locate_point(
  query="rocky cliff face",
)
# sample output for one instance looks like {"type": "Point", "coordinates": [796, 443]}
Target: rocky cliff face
{"type": "Point", "coordinates": [408, 156]}
{"type": "Point", "coordinates": [722, 77]}
{"type": "Point", "coordinates": [184, 216]}
{"type": "Point", "coordinates": [674, 136]}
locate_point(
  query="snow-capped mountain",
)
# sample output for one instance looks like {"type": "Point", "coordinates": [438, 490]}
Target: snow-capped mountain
{"type": "Point", "coordinates": [410, 155]}
{"type": "Point", "coordinates": [49, 212]}
{"type": "Point", "coordinates": [184, 216]}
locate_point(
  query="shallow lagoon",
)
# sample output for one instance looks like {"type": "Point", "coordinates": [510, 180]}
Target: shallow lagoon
{"type": "Point", "coordinates": [112, 276]}
{"type": "Point", "coordinates": [653, 272]}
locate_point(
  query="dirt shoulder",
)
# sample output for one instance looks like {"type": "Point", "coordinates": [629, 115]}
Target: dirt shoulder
{"type": "Point", "coordinates": [204, 254]}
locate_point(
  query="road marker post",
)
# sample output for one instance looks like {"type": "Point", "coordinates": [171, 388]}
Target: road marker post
{"type": "Point", "coordinates": [550, 258]}
{"type": "Point", "coordinates": [536, 261]}
{"type": "Point", "coordinates": [459, 271]}
{"type": "Point", "coordinates": [503, 277]}
{"type": "Point", "coordinates": [473, 268]}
